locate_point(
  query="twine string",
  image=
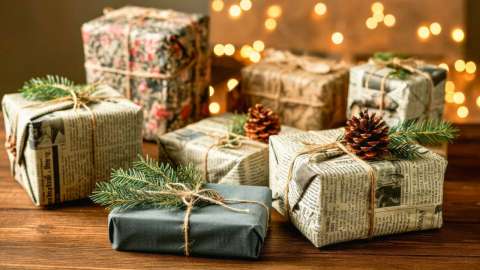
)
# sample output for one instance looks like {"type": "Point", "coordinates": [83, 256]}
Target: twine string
{"type": "Point", "coordinates": [411, 65]}
{"type": "Point", "coordinates": [312, 148]}
{"type": "Point", "coordinates": [191, 197]}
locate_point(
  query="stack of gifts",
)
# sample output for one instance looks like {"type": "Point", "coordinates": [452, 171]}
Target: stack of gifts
{"type": "Point", "coordinates": [307, 92]}
{"type": "Point", "coordinates": [157, 58]}
{"type": "Point", "coordinates": [221, 148]}
{"type": "Point", "coordinates": [370, 178]}
{"type": "Point", "coordinates": [62, 138]}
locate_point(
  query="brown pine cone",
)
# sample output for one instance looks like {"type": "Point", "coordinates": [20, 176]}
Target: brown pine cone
{"type": "Point", "coordinates": [261, 123]}
{"type": "Point", "coordinates": [367, 136]}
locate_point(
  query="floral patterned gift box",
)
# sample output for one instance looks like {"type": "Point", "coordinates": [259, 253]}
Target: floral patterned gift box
{"type": "Point", "coordinates": [157, 58]}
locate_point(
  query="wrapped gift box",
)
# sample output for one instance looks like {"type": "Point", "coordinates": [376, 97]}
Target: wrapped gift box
{"type": "Point", "coordinates": [412, 97]}
{"type": "Point", "coordinates": [58, 156]}
{"type": "Point", "coordinates": [329, 193]}
{"type": "Point", "coordinates": [158, 58]}
{"type": "Point", "coordinates": [308, 93]}
{"type": "Point", "coordinates": [239, 235]}
{"type": "Point", "coordinates": [195, 144]}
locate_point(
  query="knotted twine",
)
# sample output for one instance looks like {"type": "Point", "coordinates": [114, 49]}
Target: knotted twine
{"type": "Point", "coordinates": [229, 140]}
{"type": "Point", "coordinates": [138, 16]}
{"type": "Point", "coordinates": [192, 197]}
{"type": "Point", "coordinates": [314, 148]}
{"type": "Point", "coordinates": [409, 64]}
{"type": "Point", "coordinates": [80, 99]}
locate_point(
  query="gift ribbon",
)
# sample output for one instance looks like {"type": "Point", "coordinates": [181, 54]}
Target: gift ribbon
{"type": "Point", "coordinates": [230, 141]}
{"type": "Point", "coordinates": [409, 64]}
{"type": "Point", "coordinates": [136, 16]}
{"type": "Point", "coordinates": [191, 197]}
{"type": "Point", "coordinates": [313, 148]}
{"type": "Point", "coordinates": [80, 99]}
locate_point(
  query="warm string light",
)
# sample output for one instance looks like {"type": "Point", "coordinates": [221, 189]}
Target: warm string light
{"type": "Point", "coordinates": [320, 9]}
{"type": "Point", "coordinates": [217, 5]}
{"type": "Point", "coordinates": [214, 108]}
{"type": "Point", "coordinates": [235, 11]}
{"type": "Point", "coordinates": [444, 66]}
{"type": "Point", "coordinates": [232, 83]}
{"type": "Point", "coordinates": [229, 49]}
{"type": "Point", "coordinates": [459, 65]}
{"type": "Point", "coordinates": [211, 91]}
{"type": "Point", "coordinates": [274, 11]}
{"type": "Point", "coordinates": [254, 56]}
{"type": "Point", "coordinates": [435, 28]}
{"type": "Point", "coordinates": [423, 32]}
{"type": "Point", "coordinates": [337, 38]}
{"type": "Point", "coordinates": [458, 98]}
{"type": "Point", "coordinates": [219, 49]}
{"type": "Point", "coordinates": [245, 5]}
{"type": "Point", "coordinates": [378, 17]}
{"type": "Point", "coordinates": [470, 67]}
{"type": "Point", "coordinates": [270, 24]}
{"type": "Point", "coordinates": [258, 45]}
{"type": "Point", "coordinates": [478, 101]}
{"type": "Point", "coordinates": [462, 112]}
{"type": "Point", "coordinates": [458, 35]}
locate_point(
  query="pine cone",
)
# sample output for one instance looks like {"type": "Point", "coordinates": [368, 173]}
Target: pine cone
{"type": "Point", "coordinates": [367, 136]}
{"type": "Point", "coordinates": [261, 123]}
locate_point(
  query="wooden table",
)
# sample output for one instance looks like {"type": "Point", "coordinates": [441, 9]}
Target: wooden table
{"type": "Point", "coordinates": [74, 235]}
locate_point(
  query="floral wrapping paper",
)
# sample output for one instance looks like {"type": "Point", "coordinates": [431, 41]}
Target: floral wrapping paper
{"type": "Point", "coordinates": [169, 54]}
{"type": "Point", "coordinates": [404, 99]}
{"type": "Point", "coordinates": [304, 95]}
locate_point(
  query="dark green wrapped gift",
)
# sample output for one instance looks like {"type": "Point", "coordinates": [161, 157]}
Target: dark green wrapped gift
{"type": "Point", "coordinates": [213, 229]}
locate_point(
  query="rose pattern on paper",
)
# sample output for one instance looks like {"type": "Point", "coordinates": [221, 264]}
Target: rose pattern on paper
{"type": "Point", "coordinates": [165, 47]}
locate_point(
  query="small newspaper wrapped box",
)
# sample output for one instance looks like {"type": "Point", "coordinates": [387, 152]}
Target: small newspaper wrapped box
{"type": "Point", "coordinates": [214, 231]}
{"type": "Point", "coordinates": [308, 93]}
{"type": "Point", "coordinates": [157, 58]}
{"type": "Point", "coordinates": [195, 144]}
{"type": "Point", "coordinates": [59, 155]}
{"type": "Point", "coordinates": [412, 98]}
{"type": "Point", "coordinates": [329, 193]}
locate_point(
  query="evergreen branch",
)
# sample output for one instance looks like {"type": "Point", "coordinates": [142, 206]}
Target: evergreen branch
{"type": "Point", "coordinates": [47, 88]}
{"type": "Point", "coordinates": [238, 121]}
{"type": "Point", "coordinates": [405, 136]}
{"type": "Point", "coordinates": [145, 186]}
{"type": "Point", "coordinates": [53, 87]}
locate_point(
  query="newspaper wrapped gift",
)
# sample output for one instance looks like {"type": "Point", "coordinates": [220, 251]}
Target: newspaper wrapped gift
{"type": "Point", "coordinates": [417, 96]}
{"type": "Point", "coordinates": [197, 144]}
{"type": "Point", "coordinates": [308, 93]}
{"type": "Point", "coordinates": [329, 195]}
{"type": "Point", "coordinates": [239, 235]}
{"type": "Point", "coordinates": [157, 58]}
{"type": "Point", "coordinates": [58, 156]}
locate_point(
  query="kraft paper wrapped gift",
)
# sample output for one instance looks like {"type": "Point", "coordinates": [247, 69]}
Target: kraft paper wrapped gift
{"type": "Point", "coordinates": [196, 144]}
{"type": "Point", "coordinates": [412, 97]}
{"type": "Point", "coordinates": [157, 58]}
{"type": "Point", "coordinates": [55, 152]}
{"type": "Point", "coordinates": [329, 194]}
{"type": "Point", "coordinates": [214, 231]}
{"type": "Point", "coordinates": [307, 92]}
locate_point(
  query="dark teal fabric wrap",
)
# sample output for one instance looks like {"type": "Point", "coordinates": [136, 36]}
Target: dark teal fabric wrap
{"type": "Point", "coordinates": [214, 230]}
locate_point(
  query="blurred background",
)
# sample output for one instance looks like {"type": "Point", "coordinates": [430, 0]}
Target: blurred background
{"type": "Point", "coordinates": [43, 37]}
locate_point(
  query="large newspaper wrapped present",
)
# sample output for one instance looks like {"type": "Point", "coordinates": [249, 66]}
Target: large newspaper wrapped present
{"type": "Point", "coordinates": [58, 154]}
{"type": "Point", "coordinates": [330, 193]}
{"type": "Point", "coordinates": [197, 144]}
{"type": "Point", "coordinates": [308, 93]}
{"type": "Point", "coordinates": [399, 97]}
{"type": "Point", "coordinates": [157, 58]}
{"type": "Point", "coordinates": [213, 230]}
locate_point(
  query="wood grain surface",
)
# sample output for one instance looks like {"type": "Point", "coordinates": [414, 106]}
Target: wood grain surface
{"type": "Point", "coordinates": [74, 235]}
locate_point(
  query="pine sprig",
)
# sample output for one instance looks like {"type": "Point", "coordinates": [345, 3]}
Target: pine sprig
{"type": "Point", "coordinates": [52, 87]}
{"type": "Point", "coordinates": [142, 185]}
{"type": "Point", "coordinates": [238, 121]}
{"type": "Point", "coordinates": [405, 136]}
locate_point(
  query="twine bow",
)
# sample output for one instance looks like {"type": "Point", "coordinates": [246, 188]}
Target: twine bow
{"type": "Point", "coordinates": [411, 65]}
{"type": "Point", "coordinates": [138, 16]}
{"type": "Point", "coordinates": [197, 195]}
{"type": "Point", "coordinates": [313, 148]}
{"type": "Point", "coordinates": [229, 140]}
